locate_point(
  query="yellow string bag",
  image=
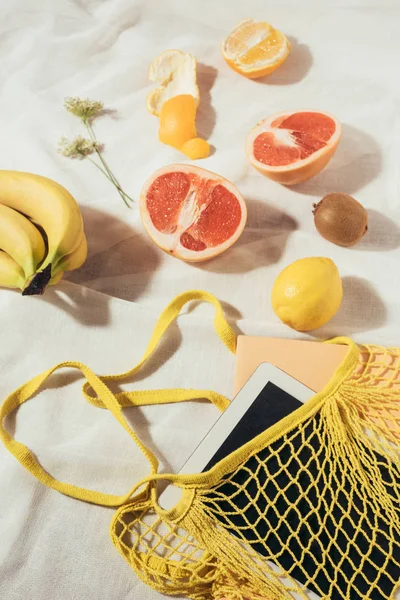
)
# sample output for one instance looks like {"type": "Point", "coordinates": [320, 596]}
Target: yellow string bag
{"type": "Point", "coordinates": [310, 505]}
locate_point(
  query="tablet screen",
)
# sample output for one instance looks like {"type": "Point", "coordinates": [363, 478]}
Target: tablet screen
{"type": "Point", "coordinates": [270, 406]}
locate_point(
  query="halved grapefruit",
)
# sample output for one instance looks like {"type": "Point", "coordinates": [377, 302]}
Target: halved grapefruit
{"type": "Point", "coordinates": [191, 213]}
{"type": "Point", "coordinates": [292, 147]}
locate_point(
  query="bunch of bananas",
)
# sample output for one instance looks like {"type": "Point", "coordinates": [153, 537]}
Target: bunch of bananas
{"type": "Point", "coordinates": [41, 232]}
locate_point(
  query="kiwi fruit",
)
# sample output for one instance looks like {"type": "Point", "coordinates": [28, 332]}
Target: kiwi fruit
{"type": "Point", "coordinates": [341, 219]}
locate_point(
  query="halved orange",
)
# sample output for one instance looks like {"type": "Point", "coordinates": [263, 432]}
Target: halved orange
{"type": "Point", "coordinates": [191, 213]}
{"type": "Point", "coordinates": [255, 49]}
{"type": "Point", "coordinates": [291, 147]}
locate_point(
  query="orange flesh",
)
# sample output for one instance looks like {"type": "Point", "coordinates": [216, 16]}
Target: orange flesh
{"type": "Point", "coordinates": [219, 212]}
{"type": "Point", "coordinates": [264, 50]}
{"type": "Point", "coordinates": [310, 132]}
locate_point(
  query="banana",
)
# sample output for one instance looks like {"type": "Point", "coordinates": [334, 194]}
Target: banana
{"type": "Point", "coordinates": [11, 274]}
{"type": "Point", "coordinates": [50, 205]}
{"type": "Point", "coordinates": [21, 240]}
{"type": "Point", "coordinates": [56, 278]}
{"type": "Point", "coordinates": [72, 261]}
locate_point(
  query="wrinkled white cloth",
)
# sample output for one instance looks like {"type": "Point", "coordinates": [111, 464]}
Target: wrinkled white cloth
{"type": "Point", "coordinates": [343, 60]}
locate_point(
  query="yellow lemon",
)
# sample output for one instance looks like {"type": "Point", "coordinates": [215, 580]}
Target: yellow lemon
{"type": "Point", "coordinates": [307, 293]}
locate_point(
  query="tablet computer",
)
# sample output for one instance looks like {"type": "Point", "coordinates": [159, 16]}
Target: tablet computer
{"type": "Point", "coordinates": [267, 397]}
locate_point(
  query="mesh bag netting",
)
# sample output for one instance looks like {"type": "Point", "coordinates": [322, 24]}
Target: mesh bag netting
{"type": "Point", "coordinates": [311, 510]}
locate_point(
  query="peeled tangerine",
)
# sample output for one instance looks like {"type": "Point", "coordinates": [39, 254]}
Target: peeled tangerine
{"type": "Point", "coordinates": [175, 101]}
{"type": "Point", "coordinates": [191, 213]}
{"type": "Point", "coordinates": [308, 293]}
{"type": "Point", "coordinates": [292, 147]}
{"type": "Point", "coordinates": [178, 127]}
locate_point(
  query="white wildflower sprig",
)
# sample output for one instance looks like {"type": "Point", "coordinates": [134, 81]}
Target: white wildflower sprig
{"type": "Point", "coordinates": [87, 110]}
{"type": "Point", "coordinates": [83, 109]}
{"type": "Point", "coordinates": [79, 147]}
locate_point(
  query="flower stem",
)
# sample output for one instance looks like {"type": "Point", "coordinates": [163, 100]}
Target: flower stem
{"type": "Point", "coordinates": [94, 139]}
{"type": "Point", "coordinates": [120, 192]}
{"type": "Point", "coordinates": [107, 171]}
{"type": "Point", "coordinates": [100, 168]}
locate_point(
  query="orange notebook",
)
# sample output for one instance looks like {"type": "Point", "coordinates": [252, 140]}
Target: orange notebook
{"type": "Point", "coordinates": [311, 363]}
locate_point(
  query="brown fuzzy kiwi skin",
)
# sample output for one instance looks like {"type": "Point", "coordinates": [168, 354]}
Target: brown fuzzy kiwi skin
{"type": "Point", "coordinates": [340, 219]}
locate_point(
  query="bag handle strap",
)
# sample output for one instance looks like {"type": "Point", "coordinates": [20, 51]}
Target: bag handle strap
{"type": "Point", "coordinates": [104, 398]}
{"type": "Point", "coordinates": [145, 397]}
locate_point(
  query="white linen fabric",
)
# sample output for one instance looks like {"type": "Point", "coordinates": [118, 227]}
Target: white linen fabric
{"type": "Point", "coordinates": [343, 60]}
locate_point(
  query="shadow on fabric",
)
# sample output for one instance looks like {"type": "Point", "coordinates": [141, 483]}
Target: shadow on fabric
{"type": "Point", "coordinates": [206, 115]}
{"type": "Point", "coordinates": [362, 309]}
{"type": "Point", "coordinates": [383, 233]}
{"type": "Point", "coordinates": [262, 242]}
{"type": "Point", "coordinates": [73, 299]}
{"type": "Point", "coordinates": [356, 163]}
{"type": "Point", "coordinates": [295, 67]}
{"type": "Point", "coordinates": [132, 253]}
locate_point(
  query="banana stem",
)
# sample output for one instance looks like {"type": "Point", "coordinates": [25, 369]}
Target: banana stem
{"type": "Point", "coordinates": [38, 282]}
{"type": "Point", "coordinates": [107, 171]}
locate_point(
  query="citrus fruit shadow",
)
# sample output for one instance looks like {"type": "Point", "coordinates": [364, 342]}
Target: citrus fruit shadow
{"type": "Point", "coordinates": [383, 233]}
{"type": "Point", "coordinates": [128, 252]}
{"type": "Point", "coordinates": [295, 67]}
{"type": "Point", "coordinates": [261, 244]}
{"type": "Point", "coordinates": [206, 114]}
{"type": "Point", "coordinates": [362, 309]}
{"type": "Point", "coordinates": [357, 161]}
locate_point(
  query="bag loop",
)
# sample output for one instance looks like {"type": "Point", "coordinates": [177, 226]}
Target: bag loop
{"type": "Point", "coordinates": [103, 397]}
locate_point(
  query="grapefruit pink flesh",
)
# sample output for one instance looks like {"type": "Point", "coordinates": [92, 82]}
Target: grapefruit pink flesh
{"type": "Point", "coordinates": [304, 133]}
{"type": "Point", "coordinates": [200, 213]}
